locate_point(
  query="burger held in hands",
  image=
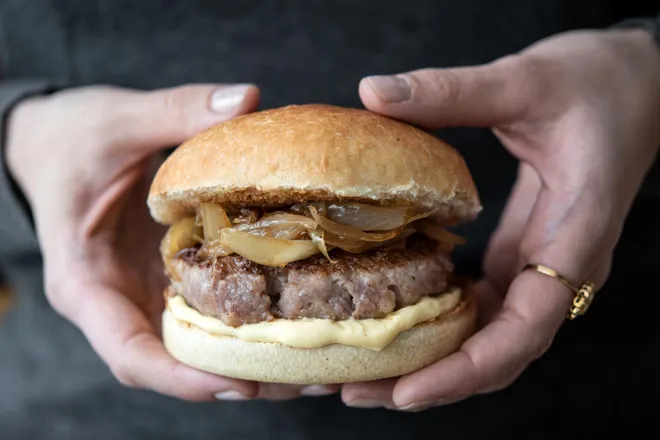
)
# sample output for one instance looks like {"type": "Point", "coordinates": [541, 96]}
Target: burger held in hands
{"type": "Point", "coordinates": [309, 245]}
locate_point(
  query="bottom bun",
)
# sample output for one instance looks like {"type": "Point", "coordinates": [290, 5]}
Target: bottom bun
{"type": "Point", "coordinates": [411, 350]}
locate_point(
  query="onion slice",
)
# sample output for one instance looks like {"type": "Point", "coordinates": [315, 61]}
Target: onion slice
{"type": "Point", "coordinates": [318, 238]}
{"type": "Point", "coordinates": [214, 249]}
{"type": "Point", "coordinates": [350, 232]}
{"type": "Point", "coordinates": [439, 233]}
{"type": "Point", "coordinates": [213, 219]}
{"type": "Point", "coordinates": [280, 225]}
{"type": "Point", "coordinates": [368, 218]}
{"type": "Point", "coordinates": [246, 215]}
{"type": "Point", "coordinates": [179, 236]}
{"type": "Point", "coordinates": [279, 219]}
{"type": "Point", "coordinates": [356, 246]}
{"type": "Point", "coordinates": [267, 251]}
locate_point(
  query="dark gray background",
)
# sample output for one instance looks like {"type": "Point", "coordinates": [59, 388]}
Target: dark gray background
{"type": "Point", "coordinates": [600, 375]}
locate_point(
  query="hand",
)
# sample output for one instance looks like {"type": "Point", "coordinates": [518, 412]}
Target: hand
{"type": "Point", "coordinates": [85, 159]}
{"type": "Point", "coordinates": [580, 111]}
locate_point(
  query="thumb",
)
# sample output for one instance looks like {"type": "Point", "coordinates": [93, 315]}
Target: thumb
{"type": "Point", "coordinates": [486, 95]}
{"type": "Point", "coordinates": [167, 117]}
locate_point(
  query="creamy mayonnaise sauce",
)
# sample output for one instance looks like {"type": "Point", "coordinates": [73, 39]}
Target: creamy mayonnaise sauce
{"type": "Point", "coordinates": [373, 334]}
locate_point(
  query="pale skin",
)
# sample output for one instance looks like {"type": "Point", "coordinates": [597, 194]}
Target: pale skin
{"type": "Point", "coordinates": [581, 111]}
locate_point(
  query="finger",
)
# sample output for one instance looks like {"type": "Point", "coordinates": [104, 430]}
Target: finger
{"type": "Point", "coordinates": [486, 95]}
{"type": "Point", "coordinates": [489, 301]}
{"type": "Point", "coordinates": [495, 355]}
{"type": "Point", "coordinates": [274, 391]}
{"type": "Point", "coordinates": [501, 258]}
{"type": "Point", "coordinates": [167, 117]}
{"type": "Point", "coordinates": [502, 252]}
{"type": "Point", "coordinates": [125, 340]}
{"type": "Point", "coordinates": [602, 272]}
{"type": "Point", "coordinates": [374, 394]}
{"type": "Point", "coordinates": [568, 234]}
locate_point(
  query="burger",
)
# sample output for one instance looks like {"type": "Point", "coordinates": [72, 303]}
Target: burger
{"type": "Point", "coordinates": [310, 244]}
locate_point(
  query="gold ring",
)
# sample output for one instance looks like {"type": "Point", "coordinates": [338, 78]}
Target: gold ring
{"type": "Point", "coordinates": [584, 294]}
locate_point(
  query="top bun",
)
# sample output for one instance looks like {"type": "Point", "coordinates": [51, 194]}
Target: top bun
{"type": "Point", "coordinates": [288, 155]}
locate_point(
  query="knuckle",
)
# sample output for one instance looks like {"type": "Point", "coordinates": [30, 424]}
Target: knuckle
{"type": "Point", "coordinates": [527, 69]}
{"type": "Point", "coordinates": [539, 348]}
{"type": "Point", "coordinates": [527, 66]}
{"type": "Point", "coordinates": [62, 287]}
{"type": "Point", "coordinates": [171, 102]}
{"type": "Point", "coordinates": [107, 120]}
{"type": "Point", "coordinates": [537, 77]}
{"type": "Point", "coordinates": [122, 372]}
{"type": "Point", "coordinates": [443, 86]}
{"type": "Point", "coordinates": [475, 377]}
{"type": "Point", "coordinates": [57, 295]}
{"type": "Point", "coordinates": [173, 105]}
{"type": "Point", "coordinates": [503, 383]}
{"type": "Point", "coordinates": [527, 248]}
{"type": "Point", "coordinates": [529, 76]}
{"type": "Point", "coordinates": [54, 296]}
{"type": "Point", "coordinates": [539, 340]}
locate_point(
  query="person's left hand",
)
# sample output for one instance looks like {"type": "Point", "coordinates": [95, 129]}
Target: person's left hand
{"type": "Point", "coordinates": [86, 170]}
{"type": "Point", "coordinates": [581, 111]}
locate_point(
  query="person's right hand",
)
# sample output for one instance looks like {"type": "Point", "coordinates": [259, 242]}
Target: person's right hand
{"type": "Point", "coordinates": [84, 159]}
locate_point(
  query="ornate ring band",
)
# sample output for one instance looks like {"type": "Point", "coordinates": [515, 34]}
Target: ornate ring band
{"type": "Point", "coordinates": [584, 294]}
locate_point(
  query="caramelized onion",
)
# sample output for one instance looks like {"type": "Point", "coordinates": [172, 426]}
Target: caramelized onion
{"type": "Point", "coordinates": [439, 233]}
{"type": "Point", "coordinates": [357, 246]}
{"type": "Point", "coordinates": [180, 235]}
{"type": "Point", "coordinates": [267, 251]}
{"type": "Point", "coordinates": [318, 238]}
{"type": "Point", "coordinates": [246, 215]}
{"type": "Point", "coordinates": [303, 208]}
{"type": "Point", "coordinates": [214, 249]}
{"type": "Point", "coordinates": [213, 218]}
{"type": "Point", "coordinates": [348, 231]}
{"type": "Point", "coordinates": [278, 238]}
{"type": "Point", "coordinates": [368, 218]}
{"type": "Point", "coordinates": [279, 218]}
{"type": "Point", "coordinates": [280, 225]}
{"type": "Point", "coordinates": [286, 232]}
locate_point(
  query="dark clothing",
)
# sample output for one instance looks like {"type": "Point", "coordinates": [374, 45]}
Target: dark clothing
{"type": "Point", "coordinates": [601, 375]}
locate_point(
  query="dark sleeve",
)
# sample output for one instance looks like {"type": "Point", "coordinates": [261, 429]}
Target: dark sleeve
{"type": "Point", "coordinates": [651, 185]}
{"type": "Point", "coordinates": [651, 24]}
{"type": "Point", "coordinates": [17, 234]}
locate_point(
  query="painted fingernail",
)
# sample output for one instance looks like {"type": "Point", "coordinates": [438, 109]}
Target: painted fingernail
{"type": "Point", "coordinates": [230, 395]}
{"type": "Point", "coordinates": [390, 88]}
{"type": "Point", "coordinates": [364, 403]}
{"type": "Point", "coordinates": [317, 390]}
{"type": "Point", "coordinates": [227, 99]}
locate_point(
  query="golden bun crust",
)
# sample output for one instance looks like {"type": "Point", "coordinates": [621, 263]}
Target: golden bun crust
{"type": "Point", "coordinates": [291, 154]}
{"type": "Point", "coordinates": [412, 350]}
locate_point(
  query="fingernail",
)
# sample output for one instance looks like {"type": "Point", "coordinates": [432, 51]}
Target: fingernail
{"type": "Point", "coordinates": [230, 395]}
{"type": "Point", "coordinates": [420, 406]}
{"type": "Point", "coordinates": [316, 390]}
{"type": "Point", "coordinates": [227, 99]}
{"type": "Point", "coordinates": [364, 403]}
{"type": "Point", "coordinates": [390, 88]}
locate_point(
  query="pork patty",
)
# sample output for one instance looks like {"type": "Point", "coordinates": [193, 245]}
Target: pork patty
{"type": "Point", "coordinates": [369, 285]}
